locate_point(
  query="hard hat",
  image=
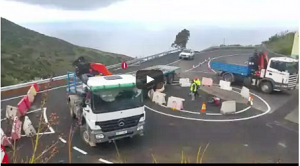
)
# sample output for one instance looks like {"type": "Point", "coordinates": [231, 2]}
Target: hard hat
{"type": "Point", "coordinates": [196, 78]}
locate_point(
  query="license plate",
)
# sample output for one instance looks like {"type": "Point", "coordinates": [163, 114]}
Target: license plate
{"type": "Point", "coordinates": [121, 132]}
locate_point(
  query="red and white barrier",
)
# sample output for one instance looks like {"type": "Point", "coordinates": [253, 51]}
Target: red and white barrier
{"type": "Point", "coordinates": [16, 129]}
{"type": "Point", "coordinates": [4, 157]}
{"type": "Point", "coordinates": [5, 141]}
{"type": "Point", "coordinates": [36, 87]}
{"type": "Point", "coordinates": [207, 81]}
{"type": "Point", "coordinates": [22, 106]}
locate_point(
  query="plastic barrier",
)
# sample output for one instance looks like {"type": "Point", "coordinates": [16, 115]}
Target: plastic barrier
{"type": "Point", "coordinates": [22, 107]}
{"type": "Point", "coordinates": [30, 97]}
{"type": "Point", "coordinates": [16, 129]}
{"type": "Point", "coordinates": [4, 157]}
{"type": "Point", "coordinates": [184, 80]}
{"type": "Point", "coordinates": [245, 92]}
{"type": "Point", "coordinates": [36, 87]}
{"type": "Point", "coordinates": [150, 93]}
{"type": "Point", "coordinates": [27, 102]}
{"type": "Point", "coordinates": [228, 107]}
{"type": "Point", "coordinates": [5, 141]}
{"type": "Point", "coordinates": [207, 81]}
{"type": "Point", "coordinates": [11, 112]}
{"type": "Point", "coordinates": [159, 98]}
{"type": "Point", "coordinates": [28, 127]}
{"type": "Point", "coordinates": [175, 103]}
{"type": "Point", "coordinates": [32, 91]}
{"type": "Point", "coordinates": [225, 85]}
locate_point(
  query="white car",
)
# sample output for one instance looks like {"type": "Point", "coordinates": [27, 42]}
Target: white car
{"type": "Point", "coordinates": [187, 54]}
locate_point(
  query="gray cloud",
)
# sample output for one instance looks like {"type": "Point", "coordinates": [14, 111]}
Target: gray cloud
{"type": "Point", "coordinates": [71, 4]}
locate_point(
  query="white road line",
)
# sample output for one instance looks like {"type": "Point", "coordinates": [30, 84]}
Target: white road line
{"type": "Point", "coordinates": [213, 114]}
{"type": "Point", "coordinates": [196, 66]}
{"type": "Point", "coordinates": [62, 140]}
{"type": "Point", "coordinates": [105, 161]}
{"type": "Point", "coordinates": [46, 120]}
{"type": "Point", "coordinates": [44, 133]}
{"type": "Point", "coordinates": [79, 150]}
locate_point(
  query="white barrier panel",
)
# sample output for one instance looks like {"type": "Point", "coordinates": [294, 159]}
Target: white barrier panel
{"type": "Point", "coordinates": [225, 85]}
{"type": "Point", "coordinates": [150, 93]}
{"type": "Point", "coordinates": [32, 91]}
{"type": "Point", "coordinates": [184, 81]}
{"type": "Point", "coordinates": [5, 141]}
{"type": "Point", "coordinates": [228, 107]}
{"type": "Point", "coordinates": [159, 98]}
{"type": "Point", "coordinates": [16, 129]}
{"type": "Point", "coordinates": [175, 103]}
{"type": "Point", "coordinates": [245, 92]}
{"type": "Point", "coordinates": [28, 127]}
{"type": "Point", "coordinates": [207, 81]}
{"type": "Point", "coordinates": [11, 112]}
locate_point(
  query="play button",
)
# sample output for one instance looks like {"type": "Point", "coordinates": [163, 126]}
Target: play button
{"type": "Point", "coordinates": [149, 79]}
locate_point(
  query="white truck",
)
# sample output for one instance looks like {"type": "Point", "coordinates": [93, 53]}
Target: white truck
{"type": "Point", "coordinates": [107, 107]}
{"type": "Point", "coordinates": [187, 54]}
{"type": "Point", "coordinates": [274, 74]}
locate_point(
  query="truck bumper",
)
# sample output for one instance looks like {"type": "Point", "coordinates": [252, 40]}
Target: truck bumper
{"type": "Point", "coordinates": [100, 137]}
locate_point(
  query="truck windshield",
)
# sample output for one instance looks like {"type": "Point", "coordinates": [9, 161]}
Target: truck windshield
{"type": "Point", "coordinates": [290, 67]}
{"type": "Point", "coordinates": [116, 100]}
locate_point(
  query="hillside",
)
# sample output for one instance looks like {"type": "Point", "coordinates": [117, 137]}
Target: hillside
{"type": "Point", "coordinates": [281, 43]}
{"type": "Point", "coordinates": [27, 55]}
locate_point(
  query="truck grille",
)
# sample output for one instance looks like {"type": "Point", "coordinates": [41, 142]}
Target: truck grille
{"type": "Point", "coordinates": [293, 79]}
{"type": "Point", "coordinates": [113, 125]}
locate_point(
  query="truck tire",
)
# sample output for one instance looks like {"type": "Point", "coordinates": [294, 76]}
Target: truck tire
{"type": "Point", "coordinates": [71, 109]}
{"type": "Point", "coordinates": [229, 77]}
{"type": "Point", "coordinates": [247, 81]}
{"type": "Point", "coordinates": [85, 135]}
{"type": "Point", "coordinates": [170, 78]}
{"type": "Point", "coordinates": [266, 87]}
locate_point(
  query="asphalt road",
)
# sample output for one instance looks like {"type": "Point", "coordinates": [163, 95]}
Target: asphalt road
{"type": "Point", "coordinates": [166, 137]}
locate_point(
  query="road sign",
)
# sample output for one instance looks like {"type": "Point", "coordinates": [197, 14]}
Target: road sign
{"type": "Point", "coordinates": [124, 65]}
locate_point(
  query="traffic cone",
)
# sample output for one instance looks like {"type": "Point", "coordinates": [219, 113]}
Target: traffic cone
{"type": "Point", "coordinates": [250, 100]}
{"type": "Point", "coordinates": [203, 107]}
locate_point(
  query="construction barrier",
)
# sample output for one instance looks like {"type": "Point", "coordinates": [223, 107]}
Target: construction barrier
{"type": "Point", "coordinates": [11, 112]}
{"type": "Point", "coordinates": [175, 103]}
{"type": "Point", "coordinates": [32, 91]}
{"type": "Point", "coordinates": [159, 98]}
{"type": "Point", "coordinates": [150, 93]}
{"type": "Point", "coordinates": [225, 85]}
{"type": "Point", "coordinates": [22, 107]}
{"type": "Point", "coordinates": [5, 141]}
{"type": "Point", "coordinates": [4, 157]}
{"type": "Point", "coordinates": [28, 128]}
{"type": "Point", "coordinates": [207, 81]}
{"type": "Point", "coordinates": [228, 107]}
{"type": "Point", "coordinates": [30, 97]}
{"type": "Point", "coordinates": [184, 82]}
{"type": "Point", "coordinates": [16, 129]}
{"type": "Point", "coordinates": [245, 92]}
{"type": "Point", "coordinates": [36, 87]}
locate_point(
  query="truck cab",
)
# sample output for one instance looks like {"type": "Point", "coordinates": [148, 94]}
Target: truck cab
{"type": "Point", "coordinates": [107, 107]}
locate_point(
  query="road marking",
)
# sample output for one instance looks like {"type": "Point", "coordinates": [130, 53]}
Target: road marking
{"type": "Point", "coordinates": [194, 67]}
{"type": "Point", "coordinates": [46, 120]}
{"type": "Point", "coordinates": [213, 114]}
{"type": "Point", "coordinates": [79, 150]}
{"type": "Point", "coordinates": [105, 161]}
{"type": "Point", "coordinates": [62, 140]}
{"type": "Point", "coordinates": [282, 144]}
{"type": "Point", "coordinates": [218, 120]}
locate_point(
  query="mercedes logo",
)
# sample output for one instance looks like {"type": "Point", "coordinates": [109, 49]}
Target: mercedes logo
{"type": "Point", "coordinates": [121, 122]}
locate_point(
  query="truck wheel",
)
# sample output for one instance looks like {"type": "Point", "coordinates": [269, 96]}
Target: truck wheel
{"type": "Point", "coordinates": [266, 87]}
{"type": "Point", "coordinates": [85, 135]}
{"type": "Point", "coordinates": [228, 77]}
{"type": "Point", "coordinates": [71, 108]}
{"type": "Point", "coordinates": [170, 78]}
{"type": "Point", "coordinates": [247, 81]}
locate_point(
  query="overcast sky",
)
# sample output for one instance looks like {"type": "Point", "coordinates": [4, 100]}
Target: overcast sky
{"type": "Point", "coordinates": [151, 25]}
{"type": "Point", "coordinates": [224, 13]}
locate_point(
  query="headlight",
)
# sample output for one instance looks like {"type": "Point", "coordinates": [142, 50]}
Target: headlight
{"type": "Point", "coordinates": [142, 119]}
{"type": "Point", "coordinates": [99, 136]}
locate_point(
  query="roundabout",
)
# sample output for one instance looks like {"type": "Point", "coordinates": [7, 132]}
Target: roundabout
{"type": "Point", "coordinates": [192, 109]}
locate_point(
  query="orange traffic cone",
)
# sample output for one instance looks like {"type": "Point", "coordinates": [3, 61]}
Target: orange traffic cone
{"type": "Point", "coordinates": [250, 100]}
{"type": "Point", "coordinates": [203, 107]}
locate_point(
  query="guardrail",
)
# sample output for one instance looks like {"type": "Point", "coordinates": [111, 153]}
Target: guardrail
{"type": "Point", "coordinates": [6, 88]}
{"type": "Point", "coordinates": [22, 85]}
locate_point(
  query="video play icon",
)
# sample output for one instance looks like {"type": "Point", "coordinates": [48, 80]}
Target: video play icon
{"type": "Point", "coordinates": [149, 79]}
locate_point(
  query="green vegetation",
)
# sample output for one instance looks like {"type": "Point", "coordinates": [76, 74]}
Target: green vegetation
{"type": "Point", "coordinates": [181, 39]}
{"type": "Point", "coordinates": [281, 43]}
{"type": "Point", "coordinates": [27, 55]}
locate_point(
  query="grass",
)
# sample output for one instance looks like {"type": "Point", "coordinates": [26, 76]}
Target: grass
{"type": "Point", "coordinates": [281, 43]}
{"type": "Point", "coordinates": [27, 55]}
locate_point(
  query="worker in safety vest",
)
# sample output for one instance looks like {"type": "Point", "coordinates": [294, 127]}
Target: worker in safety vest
{"type": "Point", "coordinates": [198, 83]}
{"type": "Point", "coordinates": [193, 89]}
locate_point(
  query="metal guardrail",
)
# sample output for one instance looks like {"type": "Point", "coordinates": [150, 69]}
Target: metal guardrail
{"type": "Point", "coordinates": [6, 88]}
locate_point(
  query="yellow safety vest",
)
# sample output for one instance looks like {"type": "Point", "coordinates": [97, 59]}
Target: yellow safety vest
{"type": "Point", "coordinates": [193, 87]}
{"type": "Point", "coordinates": [198, 82]}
